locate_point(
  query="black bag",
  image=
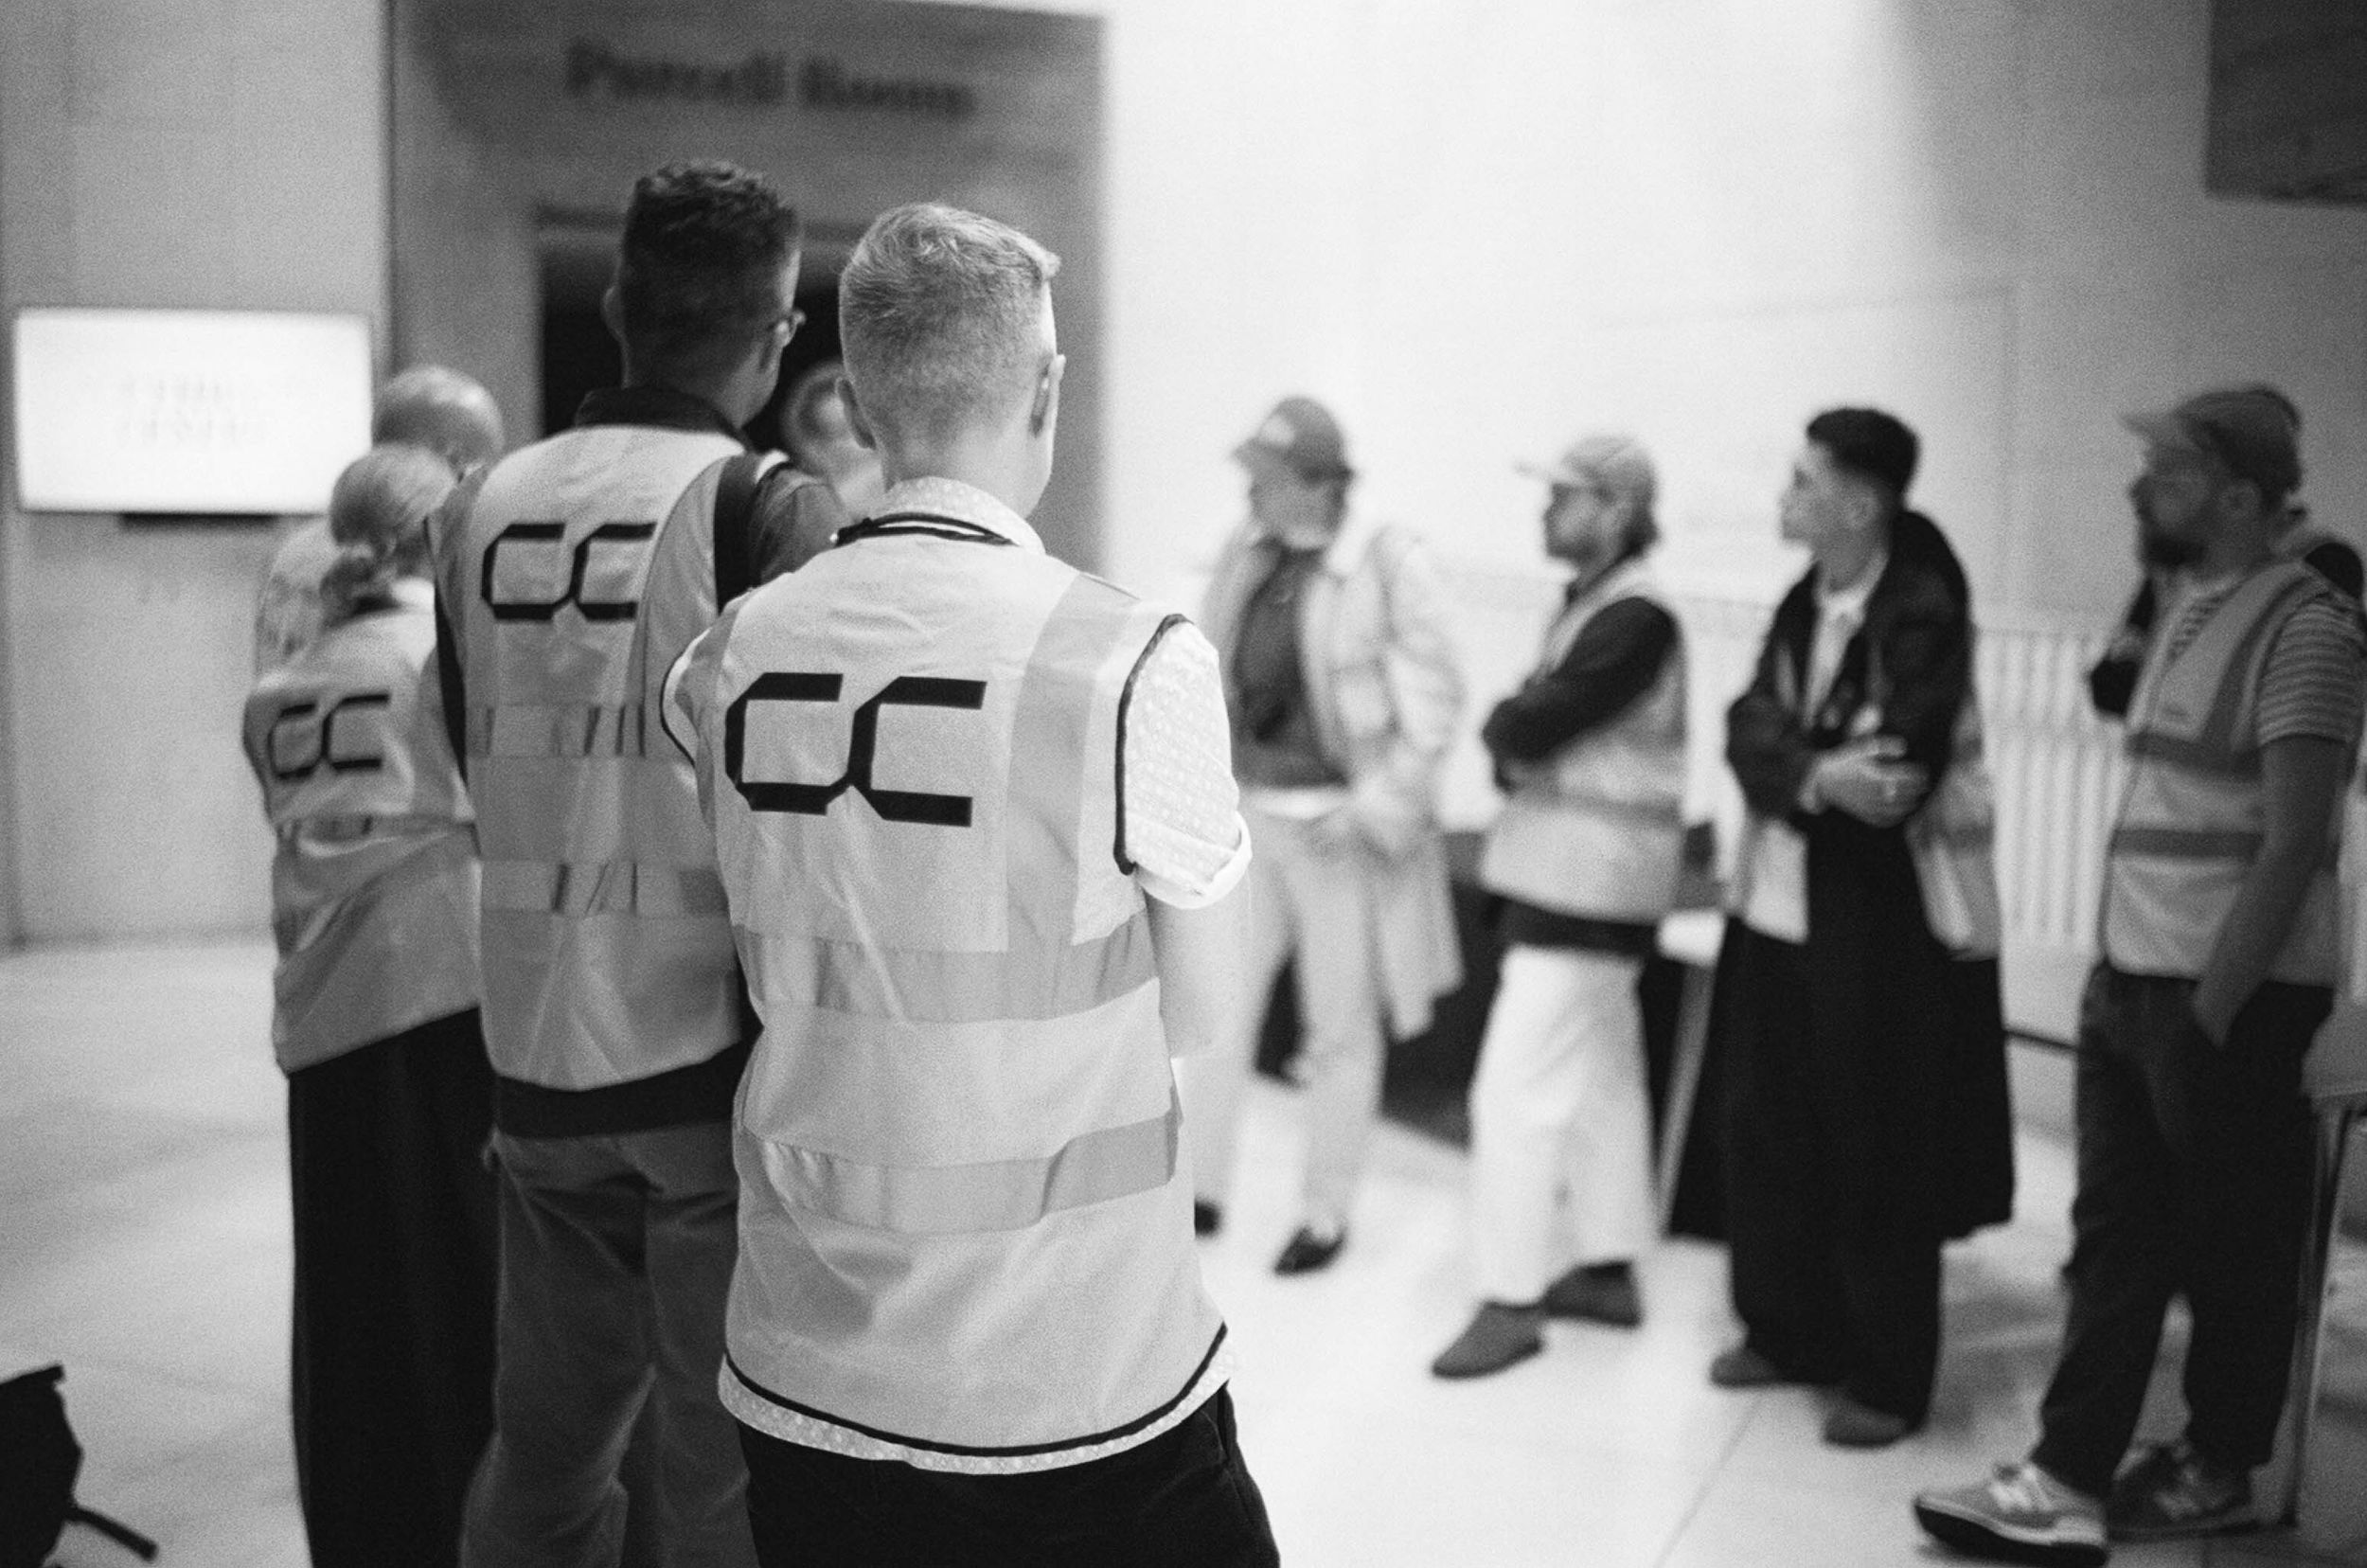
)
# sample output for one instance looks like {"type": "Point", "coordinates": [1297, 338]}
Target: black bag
{"type": "Point", "coordinates": [39, 1460]}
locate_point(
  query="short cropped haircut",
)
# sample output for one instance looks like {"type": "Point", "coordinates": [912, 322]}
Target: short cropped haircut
{"type": "Point", "coordinates": [1872, 445]}
{"type": "Point", "coordinates": [700, 259]}
{"type": "Point", "coordinates": [939, 312]}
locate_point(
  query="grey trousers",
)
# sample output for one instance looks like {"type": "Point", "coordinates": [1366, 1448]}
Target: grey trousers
{"type": "Point", "coordinates": [616, 1253]}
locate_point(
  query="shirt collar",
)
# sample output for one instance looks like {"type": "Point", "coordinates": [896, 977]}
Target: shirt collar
{"type": "Point", "coordinates": [661, 406]}
{"type": "Point", "coordinates": [962, 503]}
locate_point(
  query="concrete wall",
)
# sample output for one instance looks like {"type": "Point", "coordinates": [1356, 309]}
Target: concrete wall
{"type": "Point", "coordinates": [200, 153]}
{"type": "Point", "coordinates": [1477, 228]}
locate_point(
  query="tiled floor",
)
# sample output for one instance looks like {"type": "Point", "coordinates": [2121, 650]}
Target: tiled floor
{"type": "Point", "coordinates": [143, 1241]}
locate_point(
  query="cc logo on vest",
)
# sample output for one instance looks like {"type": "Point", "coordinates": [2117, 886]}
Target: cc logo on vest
{"type": "Point", "coordinates": [286, 746]}
{"type": "Point", "coordinates": [939, 811]}
{"type": "Point", "coordinates": [603, 577]}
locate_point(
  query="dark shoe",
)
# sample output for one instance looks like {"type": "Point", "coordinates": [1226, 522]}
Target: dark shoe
{"type": "Point", "coordinates": [1308, 1252]}
{"type": "Point", "coordinates": [1207, 1218]}
{"type": "Point", "coordinates": [2173, 1492]}
{"type": "Point", "coordinates": [1849, 1424]}
{"type": "Point", "coordinates": [1599, 1292]}
{"type": "Point", "coordinates": [1743, 1367]}
{"type": "Point", "coordinates": [1499, 1336]}
{"type": "Point", "coordinates": [2021, 1514]}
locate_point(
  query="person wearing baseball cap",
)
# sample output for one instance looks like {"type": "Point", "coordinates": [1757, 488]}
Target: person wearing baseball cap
{"type": "Point", "coordinates": [2242, 420]}
{"type": "Point", "coordinates": [2215, 964]}
{"type": "Point", "coordinates": [1867, 1120]}
{"type": "Point", "coordinates": [1584, 860]}
{"type": "Point", "coordinates": [1344, 689]}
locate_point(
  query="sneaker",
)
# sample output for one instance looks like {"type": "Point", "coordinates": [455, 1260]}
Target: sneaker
{"type": "Point", "coordinates": [2174, 1492]}
{"type": "Point", "coordinates": [1307, 1251]}
{"type": "Point", "coordinates": [2021, 1514]}
{"type": "Point", "coordinates": [1499, 1336]}
{"type": "Point", "coordinates": [1602, 1293]}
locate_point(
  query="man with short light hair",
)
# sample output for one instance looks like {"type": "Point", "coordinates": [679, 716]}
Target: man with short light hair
{"type": "Point", "coordinates": [978, 834]}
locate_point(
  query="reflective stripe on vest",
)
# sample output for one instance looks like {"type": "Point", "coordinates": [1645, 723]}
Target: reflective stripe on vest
{"type": "Point", "coordinates": [559, 583]}
{"type": "Point", "coordinates": [374, 872]}
{"type": "Point", "coordinates": [986, 1195]}
{"type": "Point", "coordinates": [961, 1104]}
{"type": "Point", "coordinates": [2192, 816]}
{"type": "Point", "coordinates": [1597, 830]}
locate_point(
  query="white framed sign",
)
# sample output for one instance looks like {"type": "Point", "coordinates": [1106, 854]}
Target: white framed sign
{"type": "Point", "coordinates": [187, 412]}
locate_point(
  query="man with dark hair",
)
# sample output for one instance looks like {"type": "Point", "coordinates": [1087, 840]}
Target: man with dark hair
{"type": "Point", "coordinates": [570, 576]}
{"type": "Point", "coordinates": [978, 837]}
{"type": "Point", "coordinates": [1866, 1112]}
{"type": "Point", "coordinates": [2215, 964]}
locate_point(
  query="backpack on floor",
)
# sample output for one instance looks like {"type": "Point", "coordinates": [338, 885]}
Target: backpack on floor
{"type": "Point", "coordinates": [39, 1460]}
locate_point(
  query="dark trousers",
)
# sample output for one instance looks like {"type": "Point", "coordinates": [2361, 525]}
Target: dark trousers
{"type": "Point", "coordinates": [392, 1364]}
{"type": "Point", "coordinates": [1825, 1300]}
{"type": "Point", "coordinates": [2194, 1179]}
{"type": "Point", "coordinates": [1183, 1499]}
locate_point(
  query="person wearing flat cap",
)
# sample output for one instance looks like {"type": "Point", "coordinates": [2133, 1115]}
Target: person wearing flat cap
{"type": "Point", "coordinates": [2215, 965]}
{"type": "Point", "coordinates": [2113, 681]}
{"type": "Point", "coordinates": [1858, 1008]}
{"type": "Point", "coordinates": [1590, 751]}
{"type": "Point", "coordinates": [1345, 691]}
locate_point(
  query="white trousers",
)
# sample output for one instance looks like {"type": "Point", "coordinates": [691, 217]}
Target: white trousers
{"type": "Point", "coordinates": [1315, 901]}
{"type": "Point", "coordinates": [1561, 1138]}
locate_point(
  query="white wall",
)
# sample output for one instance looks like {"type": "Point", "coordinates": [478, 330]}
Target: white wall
{"type": "Point", "coordinates": [1482, 228]}
{"type": "Point", "coordinates": [202, 152]}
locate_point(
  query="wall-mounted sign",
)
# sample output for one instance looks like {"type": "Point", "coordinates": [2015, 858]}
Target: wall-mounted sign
{"type": "Point", "coordinates": [600, 71]}
{"type": "Point", "coordinates": [223, 412]}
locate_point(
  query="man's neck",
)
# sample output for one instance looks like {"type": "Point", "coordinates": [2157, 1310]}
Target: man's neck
{"type": "Point", "coordinates": [716, 392]}
{"type": "Point", "coordinates": [981, 460]}
{"type": "Point", "coordinates": [2234, 552]}
{"type": "Point", "coordinates": [1844, 564]}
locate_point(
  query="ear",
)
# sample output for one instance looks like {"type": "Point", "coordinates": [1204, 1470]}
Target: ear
{"type": "Point", "coordinates": [858, 423]}
{"type": "Point", "coordinates": [1047, 408]}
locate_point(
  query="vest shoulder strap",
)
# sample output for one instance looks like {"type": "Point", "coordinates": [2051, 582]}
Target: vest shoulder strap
{"type": "Point", "coordinates": [736, 491]}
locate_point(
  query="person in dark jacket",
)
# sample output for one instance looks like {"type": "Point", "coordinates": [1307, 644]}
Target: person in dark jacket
{"type": "Point", "coordinates": [1866, 1113]}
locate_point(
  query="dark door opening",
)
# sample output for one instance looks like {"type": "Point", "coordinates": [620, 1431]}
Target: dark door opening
{"type": "Point", "coordinates": [579, 355]}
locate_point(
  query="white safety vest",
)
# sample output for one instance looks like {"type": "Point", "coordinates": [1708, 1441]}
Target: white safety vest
{"type": "Point", "coordinates": [1597, 830]}
{"type": "Point", "coordinates": [2192, 818]}
{"type": "Point", "coordinates": [374, 880]}
{"type": "Point", "coordinates": [965, 1239]}
{"type": "Point", "coordinates": [608, 955]}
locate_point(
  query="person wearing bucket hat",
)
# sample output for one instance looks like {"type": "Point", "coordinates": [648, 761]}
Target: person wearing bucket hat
{"type": "Point", "coordinates": [2215, 965]}
{"type": "Point", "coordinates": [1343, 688]}
{"type": "Point", "coordinates": [1860, 1021]}
{"type": "Point", "coordinates": [2243, 416]}
{"type": "Point", "coordinates": [1584, 862]}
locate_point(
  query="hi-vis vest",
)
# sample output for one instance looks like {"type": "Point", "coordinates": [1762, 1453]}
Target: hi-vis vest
{"type": "Point", "coordinates": [374, 882]}
{"type": "Point", "coordinates": [1597, 830]}
{"type": "Point", "coordinates": [2191, 820]}
{"type": "Point", "coordinates": [608, 955]}
{"type": "Point", "coordinates": [964, 1225]}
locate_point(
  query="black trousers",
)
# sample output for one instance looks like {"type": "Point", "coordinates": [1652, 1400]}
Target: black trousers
{"type": "Point", "coordinates": [393, 1366]}
{"type": "Point", "coordinates": [1827, 1301]}
{"type": "Point", "coordinates": [2194, 1179]}
{"type": "Point", "coordinates": [1183, 1500]}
